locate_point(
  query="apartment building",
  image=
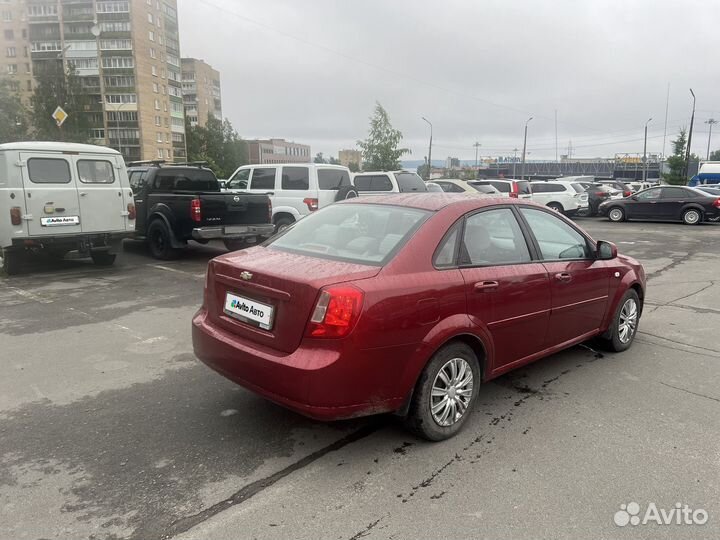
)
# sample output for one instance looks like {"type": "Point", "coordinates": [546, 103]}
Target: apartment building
{"type": "Point", "coordinates": [347, 157]}
{"type": "Point", "coordinates": [127, 55]}
{"type": "Point", "coordinates": [277, 151]}
{"type": "Point", "coordinates": [201, 91]}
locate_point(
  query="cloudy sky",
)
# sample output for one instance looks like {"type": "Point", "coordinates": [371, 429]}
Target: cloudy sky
{"type": "Point", "coordinates": [312, 70]}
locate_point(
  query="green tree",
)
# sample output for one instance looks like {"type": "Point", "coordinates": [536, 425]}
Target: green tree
{"type": "Point", "coordinates": [319, 158]}
{"type": "Point", "coordinates": [381, 151]}
{"type": "Point", "coordinates": [58, 87]}
{"type": "Point", "coordinates": [333, 161]}
{"type": "Point", "coordinates": [715, 156]}
{"type": "Point", "coordinates": [677, 161]}
{"type": "Point", "coordinates": [218, 144]}
{"type": "Point", "coordinates": [13, 114]}
{"type": "Point", "coordinates": [354, 167]}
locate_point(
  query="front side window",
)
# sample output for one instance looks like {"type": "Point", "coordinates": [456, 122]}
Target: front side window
{"type": "Point", "coordinates": [48, 171]}
{"type": "Point", "coordinates": [263, 179]}
{"type": "Point", "coordinates": [137, 181]}
{"type": "Point", "coordinates": [359, 233]}
{"type": "Point", "coordinates": [649, 195]}
{"type": "Point", "coordinates": [297, 178]}
{"type": "Point", "coordinates": [493, 238]}
{"type": "Point", "coordinates": [239, 180]}
{"type": "Point", "coordinates": [332, 179]}
{"type": "Point", "coordinates": [92, 171]}
{"type": "Point", "coordinates": [556, 239]}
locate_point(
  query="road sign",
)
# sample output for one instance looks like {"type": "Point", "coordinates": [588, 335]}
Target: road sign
{"type": "Point", "coordinates": [60, 116]}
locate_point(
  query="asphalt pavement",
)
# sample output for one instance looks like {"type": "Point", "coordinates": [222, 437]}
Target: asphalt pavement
{"type": "Point", "coordinates": [109, 427]}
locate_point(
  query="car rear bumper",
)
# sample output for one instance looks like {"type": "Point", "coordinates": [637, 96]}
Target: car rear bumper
{"type": "Point", "coordinates": [324, 381]}
{"type": "Point", "coordinates": [232, 231]}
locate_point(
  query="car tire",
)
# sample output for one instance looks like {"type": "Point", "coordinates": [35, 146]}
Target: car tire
{"type": "Point", "coordinates": [103, 258]}
{"type": "Point", "coordinates": [626, 319]}
{"type": "Point", "coordinates": [557, 207]}
{"type": "Point", "coordinates": [425, 415]}
{"type": "Point", "coordinates": [346, 192]}
{"type": "Point", "coordinates": [9, 262]}
{"type": "Point", "coordinates": [159, 241]}
{"type": "Point", "coordinates": [283, 223]}
{"type": "Point", "coordinates": [616, 214]}
{"type": "Point", "coordinates": [692, 216]}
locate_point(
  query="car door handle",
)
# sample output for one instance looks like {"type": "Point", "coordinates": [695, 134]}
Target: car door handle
{"type": "Point", "coordinates": [484, 286]}
{"type": "Point", "coordinates": [564, 277]}
{"type": "Point", "coordinates": [83, 194]}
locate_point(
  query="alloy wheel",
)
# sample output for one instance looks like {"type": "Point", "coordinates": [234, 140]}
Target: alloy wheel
{"type": "Point", "coordinates": [692, 217]}
{"type": "Point", "coordinates": [451, 392]}
{"type": "Point", "coordinates": [628, 321]}
{"type": "Point", "coordinates": [616, 214]}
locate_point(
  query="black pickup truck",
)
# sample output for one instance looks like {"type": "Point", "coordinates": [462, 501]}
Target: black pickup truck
{"type": "Point", "coordinates": [177, 203]}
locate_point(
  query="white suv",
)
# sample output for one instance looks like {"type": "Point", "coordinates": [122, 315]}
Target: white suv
{"type": "Point", "coordinates": [382, 182]}
{"type": "Point", "coordinates": [568, 198]}
{"type": "Point", "coordinates": [508, 187]}
{"type": "Point", "coordinates": [296, 190]}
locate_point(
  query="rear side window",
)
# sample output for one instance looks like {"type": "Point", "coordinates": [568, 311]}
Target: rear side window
{"type": "Point", "coordinates": [503, 187]}
{"type": "Point", "coordinates": [483, 188]}
{"type": "Point", "coordinates": [263, 179]}
{"type": "Point", "coordinates": [578, 188]}
{"type": "Point", "coordinates": [524, 187]}
{"type": "Point", "coordinates": [493, 238]}
{"type": "Point", "coordinates": [676, 193]}
{"type": "Point", "coordinates": [445, 255]}
{"type": "Point", "coordinates": [408, 182]}
{"type": "Point", "coordinates": [373, 183]}
{"type": "Point", "coordinates": [91, 171]}
{"type": "Point", "coordinates": [48, 171]}
{"type": "Point", "coordinates": [297, 178]}
{"type": "Point", "coordinates": [332, 179]}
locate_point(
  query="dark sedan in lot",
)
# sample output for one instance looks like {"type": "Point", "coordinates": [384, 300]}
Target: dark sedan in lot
{"type": "Point", "coordinates": [664, 203]}
{"type": "Point", "coordinates": [408, 303]}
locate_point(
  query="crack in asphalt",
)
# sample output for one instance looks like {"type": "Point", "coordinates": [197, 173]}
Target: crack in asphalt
{"type": "Point", "coordinates": [367, 529]}
{"type": "Point", "coordinates": [681, 343]}
{"type": "Point", "coordinates": [690, 392]}
{"type": "Point", "coordinates": [186, 523]}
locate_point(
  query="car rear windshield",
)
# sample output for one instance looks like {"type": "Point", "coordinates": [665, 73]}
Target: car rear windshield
{"type": "Point", "coordinates": [359, 233]}
{"type": "Point", "coordinates": [410, 182]}
{"type": "Point", "coordinates": [332, 179]}
{"type": "Point", "coordinates": [502, 187]}
{"type": "Point", "coordinates": [483, 188]}
{"type": "Point", "coordinates": [186, 180]}
{"type": "Point", "coordinates": [579, 188]}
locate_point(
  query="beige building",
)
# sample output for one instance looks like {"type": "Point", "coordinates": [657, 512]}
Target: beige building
{"type": "Point", "coordinates": [277, 151]}
{"type": "Point", "coordinates": [127, 55]}
{"type": "Point", "coordinates": [346, 157]}
{"type": "Point", "coordinates": [201, 91]}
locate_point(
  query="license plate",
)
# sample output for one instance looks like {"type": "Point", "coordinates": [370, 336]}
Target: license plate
{"type": "Point", "coordinates": [249, 311]}
{"type": "Point", "coordinates": [60, 221]}
{"type": "Point", "coordinates": [235, 229]}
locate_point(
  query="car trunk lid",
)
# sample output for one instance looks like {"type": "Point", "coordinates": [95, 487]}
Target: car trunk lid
{"type": "Point", "coordinates": [283, 286]}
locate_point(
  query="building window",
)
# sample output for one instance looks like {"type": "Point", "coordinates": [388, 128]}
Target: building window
{"type": "Point", "coordinates": [120, 98]}
{"type": "Point", "coordinates": [97, 134]}
{"type": "Point", "coordinates": [12, 69]}
{"type": "Point", "coordinates": [155, 87]}
{"type": "Point", "coordinates": [118, 62]}
{"type": "Point", "coordinates": [157, 104]}
{"type": "Point", "coordinates": [159, 137]}
{"type": "Point", "coordinates": [153, 54]}
{"type": "Point", "coordinates": [115, 44]}
{"type": "Point", "coordinates": [9, 34]}
{"type": "Point", "coordinates": [153, 70]}
{"type": "Point", "coordinates": [11, 52]}
{"type": "Point", "coordinates": [119, 81]}
{"type": "Point", "coordinates": [43, 10]}
{"type": "Point", "coordinates": [113, 7]}
{"type": "Point", "coordinates": [151, 35]}
{"type": "Point", "coordinates": [7, 16]}
{"type": "Point", "coordinates": [150, 18]}
{"type": "Point", "coordinates": [46, 46]}
{"type": "Point", "coordinates": [84, 63]}
{"type": "Point", "coordinates": [157, 121]}
{"type": "Point", "coordinates": [115, 26]}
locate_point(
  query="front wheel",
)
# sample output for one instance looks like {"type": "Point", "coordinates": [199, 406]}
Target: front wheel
{"type": "Point", "coordinates": [445, 394]}
{"type": "Point", "coordinates": [624, 326]}
{"type": "Point", "coordinates": [103, 258]}
{"type": "Point", "coordinates": [616, 214]}
{"type": "Point", "coordinates": [692, 217]}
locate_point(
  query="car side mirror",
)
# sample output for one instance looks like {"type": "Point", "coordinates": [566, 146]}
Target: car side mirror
{"type": "Point", "coordinates": [606, 251]}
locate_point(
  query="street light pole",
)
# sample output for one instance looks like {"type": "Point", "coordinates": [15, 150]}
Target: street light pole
{"type": "Point", "coordinates": [710, 122]}
{"type": "Point", "coordinates": [522, 165]}
{"type": "Point", "coordinates": [515, 151]}
{"type": "Point", "coordinates": [692, 123]}
{"type": "Point", "coordinates": [476, 145]}
{"type": "Point", "coordinates": [645, 152]}
{"type": "Point", "coordinates": [429, 168]}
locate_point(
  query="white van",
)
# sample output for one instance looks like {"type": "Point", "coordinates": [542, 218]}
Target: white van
{"type": "Point", "coordinates": [295, 189]}
{"type": "Point", "coordinates": [63, 197]}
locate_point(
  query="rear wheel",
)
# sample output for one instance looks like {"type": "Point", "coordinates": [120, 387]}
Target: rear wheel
{"type": "Point", "coordinates": [283, 223]}
{"type": "Point", "coordinates": [346, 192]}
{"type": "Point", "coordinates": [9, 262]}
{"type": "Point", "coordinates": [235, 245]}
{"type": "Point", "coordinates": [692, 216]}
{"type": "Point", "coordinates": [159, 241]}
{"type": "Point", "coordinates": [556, 206]}
{"type": "Point", "coordinates": [103, 258]}
{"type": "Point", "coordinates": [445, 393]}
{"type": "Point", "coordinates": [616, 214]}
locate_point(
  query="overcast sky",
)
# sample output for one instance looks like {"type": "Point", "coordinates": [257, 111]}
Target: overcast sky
{"type": "Point", "coordinates": [311, 71]}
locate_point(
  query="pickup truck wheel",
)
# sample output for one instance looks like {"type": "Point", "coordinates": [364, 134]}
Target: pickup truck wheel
{"type": "Point", "coordinates": [158, 238]}
{"type": "Point", "coordinates": [234, 245]}
{"type": "Point", "coordinates": [9, 262]}
{"type": "Point", "coordinates": [103, 258]}
{"type": "Point", "coordinates": [283, 223]}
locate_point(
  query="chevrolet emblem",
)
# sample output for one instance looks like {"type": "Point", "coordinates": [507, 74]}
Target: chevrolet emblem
{"type": "Point", "coordinates": [247, 276]}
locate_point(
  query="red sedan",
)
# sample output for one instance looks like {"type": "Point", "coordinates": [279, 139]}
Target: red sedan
{"type": "Point", "coordinates": [407, 303]}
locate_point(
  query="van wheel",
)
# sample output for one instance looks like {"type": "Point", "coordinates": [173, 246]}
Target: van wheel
{"type": "Point", "coordinates": [445, 394]}
{"type": "Point", "coordinates": [283, 223]}
{"type": "Point", "coordinates": [158, 238]}
{"type": "Point", "coordinates": [9, 262]}
{"type": "Point", "coordinates": [103, 258]}
{"type": "Point", "coordinates": [556, 206]}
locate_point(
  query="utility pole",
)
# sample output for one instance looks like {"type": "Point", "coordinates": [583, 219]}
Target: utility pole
{"type": "Point", "coordinates": [556, 139]}
{"type": "Point", "coordinates": [476, 145]}
{"type": "Point", "coordinates": [710, 122]}
{"type": "Point", "coordinates": [429, 168]}
{"type": "Point", "coordinates": [644, 177]}
{"type": "Point", "coordinates": [515, 151]}
{"type": "Point", "coordinates": [692, 122]}
{"type": "Point", "coordinates": [522, 166]}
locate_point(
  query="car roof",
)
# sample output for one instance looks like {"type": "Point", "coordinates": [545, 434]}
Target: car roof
{"type": "Point", "coordinates": [313, 165]}
{"type": "Point", "coordinates": [434, 201]}
{"type": "Point", "coordinates": [47, 146]}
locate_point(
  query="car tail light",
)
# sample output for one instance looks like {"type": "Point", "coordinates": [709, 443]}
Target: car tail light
{"type": "Point", "coordinates": [269, 211]}
{"type": "Point", "coordinates": [312, 204]}
{"type": "Point", "coordinates": [196, 210]}
{"type": "Point", "coordinates": [131, 211]}
{"type": "Point", "coordinates": [600, 194]}
{"type": "Point", "coordinates": [627, 193]}
{"type": "Point", "coordinates": [16, 215]}
{"type": "Point", "coordinates": [716, 204]}
{"type": "Point", "coordinates": [336, 312]}
{"type": "Point", "coordinates": [514, 190]}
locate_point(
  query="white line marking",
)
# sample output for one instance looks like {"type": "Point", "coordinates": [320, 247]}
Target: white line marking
{"type": "Point", "coordinates": [176, 271]}
{"type": "Point", "coordinates": [37, 391]}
